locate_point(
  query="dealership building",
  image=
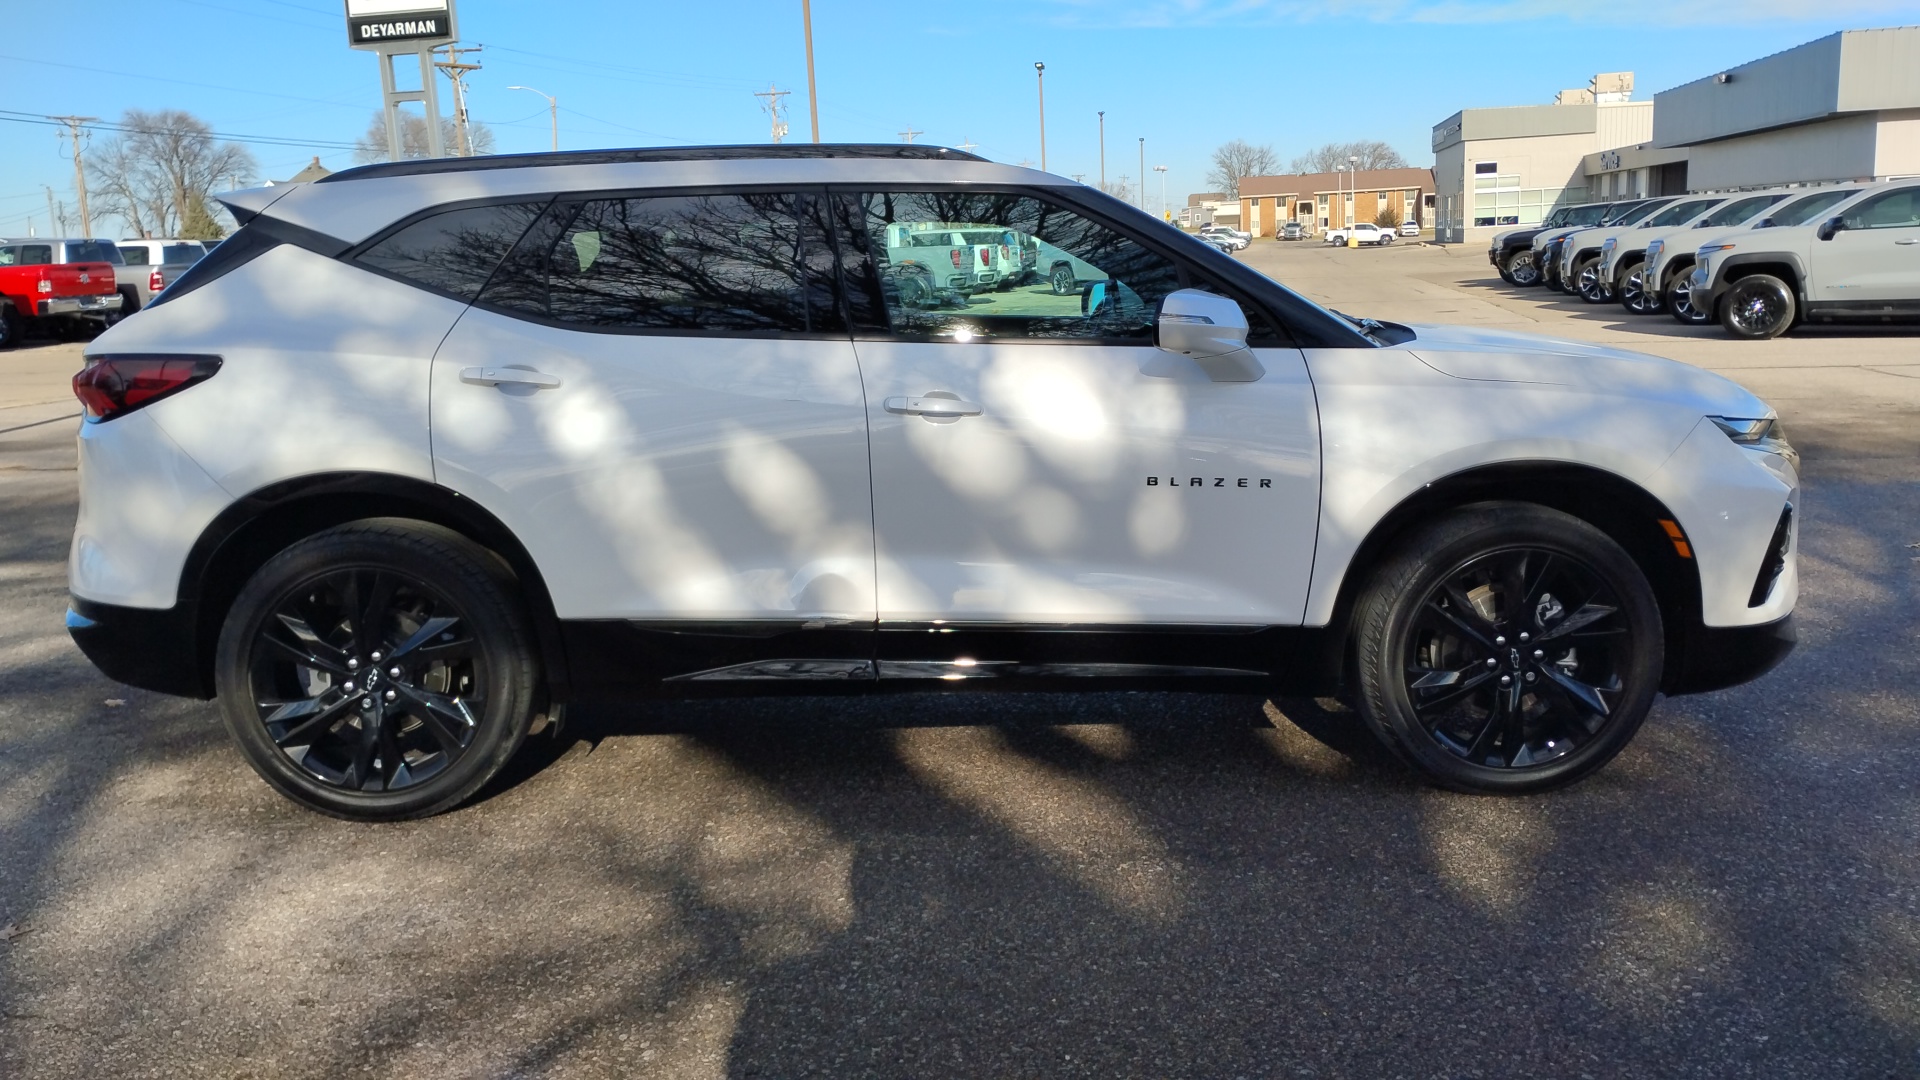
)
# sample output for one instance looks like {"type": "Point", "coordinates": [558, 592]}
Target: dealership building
{"type": "Point", "coordinates": [1843, 107]}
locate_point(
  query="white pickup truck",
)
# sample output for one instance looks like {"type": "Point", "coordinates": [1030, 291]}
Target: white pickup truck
{"type": "Point", "coordinates": [1366, 232]}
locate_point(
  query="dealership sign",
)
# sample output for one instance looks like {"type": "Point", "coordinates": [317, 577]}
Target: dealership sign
{"type": "Point", "coordinates": [399, 25]}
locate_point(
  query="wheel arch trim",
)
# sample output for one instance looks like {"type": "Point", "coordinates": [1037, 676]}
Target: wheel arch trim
{"type": "Point", "coordinates": [255, 527]}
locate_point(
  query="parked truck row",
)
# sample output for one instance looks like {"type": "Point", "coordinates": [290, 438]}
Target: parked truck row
{"type": "Point", "coordinates": [68, 288]}
{"type": "Point", "coordinates": [1757, 262]}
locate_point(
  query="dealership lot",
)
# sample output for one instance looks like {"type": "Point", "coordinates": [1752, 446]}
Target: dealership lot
{"type": "Point", "coordinates": [1115, 885]}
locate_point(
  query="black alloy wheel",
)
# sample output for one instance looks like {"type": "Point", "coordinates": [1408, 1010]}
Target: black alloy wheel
{"type": "Point", "coordinates": [377, 671]}
{"type": "Point", "coordinates": [1508, 649]}
{"type": "Point", "coordinates": [1680, 299]}
{"type": "Point", "coordinates": [915, 290]}
{"type": "Point", "coordinates": [1634, 294]}
{"type": "Point", "coordinates": [1522, 270]}
{"type": "Point", "coordinates": [1587, 282]}
{"type": "Point", "coordinates": [1758, 306]}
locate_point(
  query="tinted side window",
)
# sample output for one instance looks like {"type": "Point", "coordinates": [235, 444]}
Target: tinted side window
{"type": "Point", "coordinates": [454, 251]}
{"type": "Point", "coordinates": [174, 254]}
{"type": "Point", "coordinates": [89, 251]}
{"type": "Point", "coordinates": [36, 255]}
{"type": "Point", "coordinates": [1812, 206]}
{"type": "Point", "coordinates": [750, 263]}
{"type": "Point", "coordinates": [1894, 210]}
{"type": "Point", "coordinates": [967, 266]}
{"type": "Point", "coordinates": [136, 254]}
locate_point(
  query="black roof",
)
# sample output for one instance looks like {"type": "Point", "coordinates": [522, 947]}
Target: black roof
{"type": "Point", "coordinates": [426, 166]}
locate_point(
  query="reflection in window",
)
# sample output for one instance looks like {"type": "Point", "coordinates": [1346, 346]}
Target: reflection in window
{"type": "Point", "coordinates": [453, 251]}
{"type": "Point", "coordinates": [731, 263]}
{"type": "Point", "coordinates": [968, 266]}
{"type": "Point", "coordinates": [1894, 210]}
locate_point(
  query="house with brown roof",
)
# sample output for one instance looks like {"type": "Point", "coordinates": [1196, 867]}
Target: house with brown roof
{"type": "Point", "coordinates": [1329, 200]}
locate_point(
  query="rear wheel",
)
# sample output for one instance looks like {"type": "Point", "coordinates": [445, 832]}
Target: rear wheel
{"type": "Point", "coordinates": [1509, 648]}
{"type": "Point", "coordinates": [11, 326]}
{"type": "Point", "coordinates": [377, 671]}
{"type": "Point", "coordinates": [1522, 270]}
{"type": "Point", "coordinates": [1758, 306]}
{"type": "Point", "coordinates": [1062, 281]}
{"type": "Point", "coordinates": [915, 289]}
{"type": "Point", "coordinates": [1635, 296]}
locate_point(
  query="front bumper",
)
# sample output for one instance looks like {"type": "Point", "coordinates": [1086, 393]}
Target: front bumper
{"type": "Point", "coordinates": [1700, 291]}
{"type": "Point", "coordinates": [79, 305]}
{"type": "Point", "coordinates": [1708, 658]}
{"type": "Point", "coordinates": [154, 649]}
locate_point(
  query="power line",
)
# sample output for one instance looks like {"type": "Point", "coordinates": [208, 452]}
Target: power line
{"type": "Point", "coordinates": [12, 116]}
{"type": "Point", "coordinates": [98, 71]}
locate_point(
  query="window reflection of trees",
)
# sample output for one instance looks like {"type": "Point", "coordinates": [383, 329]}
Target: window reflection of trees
{"type": "Point", "coordinates": [454, 251]}
{"type": "Point", "coordinates": [717, 262]}
{"type": "Point", "coordinates": [1146, 277]}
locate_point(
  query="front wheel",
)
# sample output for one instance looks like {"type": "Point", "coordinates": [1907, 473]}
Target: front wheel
{"type": "Point", "coordinates": [1062, 281]}
{"type": "Point", "coordinates": [1522, 270]}
{"type": "Point", "coordinates": [1508, 649]}
{"type": "Point", "coordinates": [1680, 299]}
{"type": "Point", "coordinates": [1635, 295]}
{"type": "Point", "coordinates": [1586, 280]}
{"type": "Point", "coordinates": [377, 671]}
{"type": "Point", "coordinates": [1758, 306]}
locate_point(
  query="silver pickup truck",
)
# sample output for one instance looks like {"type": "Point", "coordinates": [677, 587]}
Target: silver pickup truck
{"type": "Point", "coordinates": [150, 265]}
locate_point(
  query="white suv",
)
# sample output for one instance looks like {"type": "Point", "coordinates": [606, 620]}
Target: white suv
{"type": "Point", "coordinates": [429, 449]}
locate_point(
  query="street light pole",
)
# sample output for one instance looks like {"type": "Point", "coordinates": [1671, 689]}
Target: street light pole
{"type": "Point", "coordinates": [553, 110]}
{"type": "Point", "coordinates": [1040, 76]}
{"type": "Point", "coordinates": [1353, 168]}
{"type": "Point", "coordinates": [1143, 172]}
{"type": "Point", "coordinates": [813, 97]}
{"type": "Point", "coordinates": [1103, 149]}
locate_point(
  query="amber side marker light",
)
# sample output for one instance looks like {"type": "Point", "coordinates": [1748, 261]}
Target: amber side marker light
{"type": "Point", "coordinates": [1680, 545]}
{"type": "Point", "coordinates": [111, 386]}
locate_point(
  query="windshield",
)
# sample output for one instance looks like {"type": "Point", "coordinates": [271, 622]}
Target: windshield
{"type": "Point", "coordinates": [1739, 210]}
{"type": "Point", "coordinates": [1588, 215]}
{"type": "Point", "coordinates": [1811, 207]}
{"type": "Point", "coordinates": [1634, 214]}
{"type": "Point", "coordinates": [1674, 215]}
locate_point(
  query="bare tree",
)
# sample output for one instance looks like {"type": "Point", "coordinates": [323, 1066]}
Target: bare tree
{"type": "Point", "coordinates": [1119, 189]}
{"type": "Point", "coordinates": [1372, 153]}
{"type": "Point", "coordinates": [413, 137]}
{"type": "Point", "coordinates": [1237, 160]}
{"type": "Point", "coordinates": [159, 172]}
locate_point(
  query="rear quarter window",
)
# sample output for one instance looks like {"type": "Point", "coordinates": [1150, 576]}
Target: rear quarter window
{"type": "Point", "coordinates": [136, 254]}
{"type": "Point", "coordinates": [454, 251]}
{"type": "Point", "coordinates": [174, 254]}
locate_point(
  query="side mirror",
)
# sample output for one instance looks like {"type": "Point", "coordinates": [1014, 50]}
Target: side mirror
{"type": "Point", "coordinates": [1829, 227]}
{"type": "Point", "coordinates": [1213, 331]}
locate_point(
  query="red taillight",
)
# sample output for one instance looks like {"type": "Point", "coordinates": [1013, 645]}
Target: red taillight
{"type": "Point", "coordinates": [156, 281]}
{"type": "Point", "coordinates": [986, 256]}
{"type": "Point", "coordinates": [957, 264]}
{"type": "Point", "coordinates": [112, 385]}
{"type": "Point", "coordinates": [44, 285]}
{"type": "Point", "coordinates": [1006, 253]}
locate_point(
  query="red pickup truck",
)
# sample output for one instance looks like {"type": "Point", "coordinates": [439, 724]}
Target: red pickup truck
{"type": "Point", "coordinates": [62, 285]}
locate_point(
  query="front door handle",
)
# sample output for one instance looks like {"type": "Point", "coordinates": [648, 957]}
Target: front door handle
{"type": "Point", "coordinates": [932, 406]}
{"type": "Point", "coordinates": [1904, 243]}
{"type": "Point", "coordinates": [491, 376]}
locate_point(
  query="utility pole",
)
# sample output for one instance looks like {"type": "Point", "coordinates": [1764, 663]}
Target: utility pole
{"type": "Point", "coordinates": [1103, 149]}
{"type": "Point", "coordinates": [457, 71]}
{"type": "Point", "coordinates": [52, 219]}
{"type": "Point", "coordinates": [774, 109]}
{"type": "Point", "coordinates": [910, 133]}
{"type": "Point", "coordinates": [553, 112]}
{"type": "Point", "coordinates": [813, 95]}
{"type": "Point", "coordinates": [968, 145]}
{"type": "Point", "coordinates": [1162, 170]}
{"type": "Point", "coordinates": [1040, 74]}
{"type": "Point", "coordinates": [1143, 172]}
{"type": "Point", "coordinates": [79, 171]}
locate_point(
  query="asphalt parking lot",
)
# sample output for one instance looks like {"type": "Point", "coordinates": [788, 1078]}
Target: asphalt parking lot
{"type": "Point", "coordinates": [1103, 886]}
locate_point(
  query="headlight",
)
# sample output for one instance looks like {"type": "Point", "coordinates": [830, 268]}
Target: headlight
{"type": "Point", "coordinates": [1764, 434]}
{"type": "Point", "coordinates": [1654, 248]}
{"type": "Point", "coordinates": [1704, 257]}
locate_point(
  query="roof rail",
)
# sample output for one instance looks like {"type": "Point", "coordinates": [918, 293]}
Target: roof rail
{"type": "Point", "coordinates": [428, 166]}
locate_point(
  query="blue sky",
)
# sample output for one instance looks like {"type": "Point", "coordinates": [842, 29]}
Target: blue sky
{"type": "Point", "coordinates": [1184, 74]}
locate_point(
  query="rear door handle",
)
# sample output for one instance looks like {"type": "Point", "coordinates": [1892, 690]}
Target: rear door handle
{"type": "Point", "coordinates": [932, 406]}
{"type": "Point", "coordinates": [1904, 243]}
{"type": "Point", "coordinates": [488, 376]}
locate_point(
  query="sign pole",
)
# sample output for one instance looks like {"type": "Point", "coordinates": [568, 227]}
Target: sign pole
{"type": "Point", "coordinates": [394, 28]}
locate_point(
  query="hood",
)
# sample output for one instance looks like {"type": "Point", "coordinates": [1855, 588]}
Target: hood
{"type": "Point", "coordinates": [1505, 356]}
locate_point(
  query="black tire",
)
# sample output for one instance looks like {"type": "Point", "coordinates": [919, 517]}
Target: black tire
{"type": "Point", "coordinates": [1586, 281]}
{"type": "Point", "coordinates": [1635, 296]}
{"type": "Point", "coordinates": [1062, 281]}
{"type": "Point", "coordinates": [1758, 306]}
{"type": "Point", "coordinates": [1430, 653]}
{"type": "Point", "coordinates": [12, 326]}
{"type": "Point", "coordinates": [305, 665]}
{"type": "Point", "coordinates": [1505, 276]}
{"type": "Point", "coordinates": [1680, 299]}
{"type": "Point", "coordinates": [915, 290]}
{"type": "Point", "coordinates": [1522, 270]}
